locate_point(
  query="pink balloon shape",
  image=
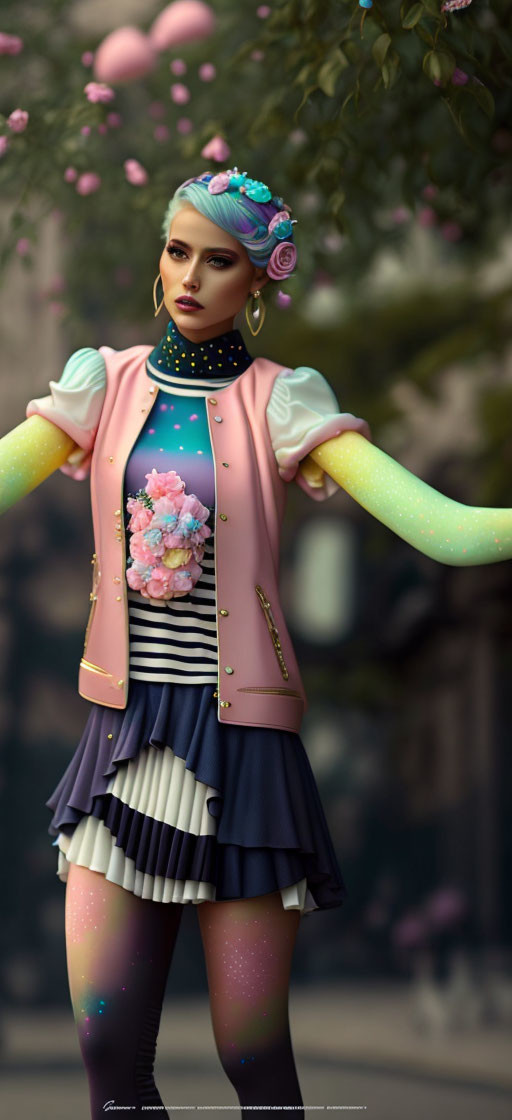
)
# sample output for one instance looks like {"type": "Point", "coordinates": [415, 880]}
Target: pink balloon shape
{"type": "Point", "coordinates": [123, 55]}
{"type": "Point", "coordinates": [182, 22]}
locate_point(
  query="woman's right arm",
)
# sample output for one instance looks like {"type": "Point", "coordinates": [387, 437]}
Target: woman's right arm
{"type": "Point", "coordinates": [59, 431]}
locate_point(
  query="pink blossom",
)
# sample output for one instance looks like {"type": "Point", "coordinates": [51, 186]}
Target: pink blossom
{"type": "Point", "coordinates": [102, 128]}
{"type": "Point", "coordinates": [10, 44]}
{"type": "Point", "coordinates": [4, 144]}
{"type": "Point", "coordinates": [137, 575]}
{"type": "Point", "coordinates": [283, 299]}
{"type": "Point", "coordinates": [282, 261]}
{"type": "Point", "coordinates": [263, 11]}
{"type": "Point", "coordinates": [207, 72]}
{"type": "Point", "coordinates": [400, 215]}
{"type": "Point", "coordinates": [430, 191]}
{"type": "Point", "coordinates": [427, 217]}
{"type": "Point", "coordinates": [88, 183]}
{"type": "Point", "coordinates": [410, 932]}
{"type": "Point", "coordinates": [124, 55]}
{"type": "Point", "coordinates": [451, 231]}
{"type": "Point", "coordinates": [141, 516]}
{"type": "Point", "coordinates": [160, 585]}
{"type": "Point", "coordinates": [23, 246]}
{"type": "Point", "coordinates": [140, 550]}
{"type": "Point", "coordinates": [182, 22]}
{"type": "Point", "coordinates": [178, 67]}
{"type": "Point", "coordinates": [87, 58]}
{"type": "Point", "coordinates": [164, 484]}
{"type": "Point", "coordinates": [216, 149]}
{"type": "Point", "coordinates": [99, 92]}
{"type": "Point", "coordinates": [18, 120]}
{"type": "Point", "coordinates": [257, 55]}
{"type": "Point", "coordinates": [459, 77]}
{"type": "Point", "coordinates": [86, 130]}
{"type": "Point", "coordinates": [184, 125]}
{"type": "Point", "coordinates": [180, 94]}
{"type": "Point", "coordinates": [114, 120]}
{"type": "Point", "coordinates": [70, 175]}
{"type": "Point", "coordinates": [297, 136]}
{"type": "Point", "coordinates": [135, 173]}
{"type": "Point", "coordinates": [161, 133]}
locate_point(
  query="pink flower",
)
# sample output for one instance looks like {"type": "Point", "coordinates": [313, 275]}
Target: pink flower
{"type": "Point", "coordinates": [88, 183]}
{"type": "Point", "coordinates": [86, 130]}
{"type": "Point", "coordinates": [18, 120]}
{"type": "Point", "coordinates": [102, 128]}
{"type": "Point", "coordinates": [216, 149]}
{"type": "Point", "coordinates": [281, 216]}
{"type": "Point", "coordinates": [283, 299]}
{"type": "Point", "coordinates": [257, 55]}
{"type": "Point", "coordinates": [161, 133]}
{"type": "Point", "coordinates": [140, 515]}
{"type": "Point", "coordinates": [180, 94]}
{"type": "Point", "coordinates": [135, 172]}
{"type": "Point", "coordinates": [459, 77]}
{"type": "Point", "coordinates": [157, 110]}
{"type": "Point", "coordinates": [99, 92]}
{"type": "Point", "coordinates": [114, 120]}
{"type": "Point", "coordinates": [4, 144]}
{"type": "Point", "coordinates": [429, 191]}
{"type": "Point", "coordinates": [10, 44]}
{"type": "Point", "coordinates": [207, 72]}
{"type": "Point", "coordinates": [427, 217]}
{"type": "Point", "coordinates": [160, 585]}
{"type": "Point", "coordinates": [178, 67]}
{"type": "Point", "coordinates": [297, 136]}
{"type": "Point", "coordinates": [140, 550]}
{"type": "Point", "coordinates": [87, 58]}
{"type": "Point", "coordinates": [184, 125]}
{"type": "Point", "coordinates": [23, 246]}
{"type": "Point", "coordinates": [282, 261]}
{"type": "Point", "coordinates": [138, 574]}
{"type": "Point", "coordinates": [399, 215]}
{"type": "Point", "coordinates": [263, 11]}
{"type": "Point", "coordinates": [165, 484]}
{"type": "Point", "coordinates": [182, 22]}
{"type": "Point", "coordinates": [125, 54]}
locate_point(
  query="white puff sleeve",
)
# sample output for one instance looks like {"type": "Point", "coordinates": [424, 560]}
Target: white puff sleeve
{"type": "Point", "coordinates": [302, 412]}
{"type": "Point", "coordinates": [74, 405]}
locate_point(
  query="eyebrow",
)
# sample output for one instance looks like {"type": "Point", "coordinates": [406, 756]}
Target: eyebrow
{"type": "Point", "coordinates": [213, 249]}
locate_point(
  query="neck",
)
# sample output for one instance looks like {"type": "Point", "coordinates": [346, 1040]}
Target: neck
{"type": "Point", "coordinates": [203, 334]}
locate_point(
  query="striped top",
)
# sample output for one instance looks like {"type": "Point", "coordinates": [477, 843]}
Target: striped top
{"type": "Point", "coordinates": [175, 640]}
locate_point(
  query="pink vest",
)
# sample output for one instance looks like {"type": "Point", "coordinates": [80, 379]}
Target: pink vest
{"type": "Point", "coordinates": [259, 681]}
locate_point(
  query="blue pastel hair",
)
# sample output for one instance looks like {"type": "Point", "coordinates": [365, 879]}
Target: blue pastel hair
{"type": "Point", "coordinates": [235, 213]}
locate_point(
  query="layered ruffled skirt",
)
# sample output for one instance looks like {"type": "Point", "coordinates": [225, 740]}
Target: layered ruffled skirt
{"type": "Point", "coordinates": [173, 805]}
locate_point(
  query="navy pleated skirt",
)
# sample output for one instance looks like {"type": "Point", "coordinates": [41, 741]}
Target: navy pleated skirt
{"type": "Point", "coordinates": [175, 806]}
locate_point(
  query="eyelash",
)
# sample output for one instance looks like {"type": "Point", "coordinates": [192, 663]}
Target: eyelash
{"type": "Point", "coordinates": [176, 249]}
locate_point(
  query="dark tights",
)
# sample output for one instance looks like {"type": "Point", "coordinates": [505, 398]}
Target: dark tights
{"type": "Point", "coordinates": [119, 950]}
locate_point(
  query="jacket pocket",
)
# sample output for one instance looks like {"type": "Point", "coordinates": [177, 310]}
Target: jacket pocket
{"type": "Point", "coordinates": [272, 628]}
{"type": "Point", "coordinates": [93, 596]}
{"type": "Point", "coordinates": [274, 691]}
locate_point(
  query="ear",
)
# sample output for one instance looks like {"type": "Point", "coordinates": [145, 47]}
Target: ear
{"type": "Point", "coordinates": [260, 278]}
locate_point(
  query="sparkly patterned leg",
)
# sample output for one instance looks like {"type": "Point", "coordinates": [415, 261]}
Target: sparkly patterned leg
{"type": "Point", "coordinates": [248, 946]}
{"type": "Point", "coordinates": [119, 950]}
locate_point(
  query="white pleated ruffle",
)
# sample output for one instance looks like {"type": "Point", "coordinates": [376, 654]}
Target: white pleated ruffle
{"type": "Point", "coordinates": [157, 784]}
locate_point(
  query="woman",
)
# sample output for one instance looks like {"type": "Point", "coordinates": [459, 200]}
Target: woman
{"type": "Point", "coordinates": [191, 782]}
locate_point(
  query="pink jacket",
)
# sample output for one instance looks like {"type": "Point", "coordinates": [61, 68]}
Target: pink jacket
{"type": "Point", "coordinates": [259, 681]}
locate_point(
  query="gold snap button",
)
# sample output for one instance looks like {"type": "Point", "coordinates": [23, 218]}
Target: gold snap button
{"type": "Point", "coordinates": [116, 579]}
{"type": "Point", "coordinates": [117, 513]}
{"type": "Point", "coordinates": [152, 389]}
{"type": "Point", "coordinates": [223, 613]}
{"type": "Point", "coordinates": [92, 596]}
{"type": "Point", "coordinates": [118, 598]}
{"type": "Point", "coordinates": [215, 694]}
{"type": "Point", "coordinates": [225, 703]}
{"type": "Point", "coordinates": [212, 400]}
{"type": "Point", "coordinates": [228, 669]}
{"type": "Point", "coordinates": [225, 464]}
{"type": "Point", "coordinates": [110, 458]}
{"type": "Point", "coordinates": [223, 516]}
{"type": "Point", "coordinates": [120, 684]}
{"type": "Point", "coordinates": [109, 736]}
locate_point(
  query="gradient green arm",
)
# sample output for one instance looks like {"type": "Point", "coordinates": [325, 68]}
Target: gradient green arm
{"type": "Point", "coordinates": [445, 530]}
{"type": "Point", "coordinates": [28, 454]}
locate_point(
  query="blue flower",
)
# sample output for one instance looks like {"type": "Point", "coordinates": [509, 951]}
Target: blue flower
{"type": "Point", "coordinates": [152, 537]}
{"type": "Point", "coordinates": [283, 230]}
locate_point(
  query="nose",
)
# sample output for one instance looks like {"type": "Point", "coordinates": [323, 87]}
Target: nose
{"type": "Point", "coordinates": [190, 280]}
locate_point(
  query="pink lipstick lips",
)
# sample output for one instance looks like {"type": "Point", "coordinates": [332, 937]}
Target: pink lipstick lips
{"type": "Point", "coordinates": [188, 304]}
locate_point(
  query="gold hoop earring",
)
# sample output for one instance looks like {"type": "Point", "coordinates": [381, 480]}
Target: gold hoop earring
{"type": "Point", "coordinates": [159, 308]}
{"type": "Point", "coordinates": [256, 314]}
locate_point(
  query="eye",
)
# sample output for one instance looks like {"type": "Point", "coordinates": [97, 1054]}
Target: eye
{"type": "Point", "coordinates": [174, 249]}
{"type": "Point", "coordinates": [223, 261]}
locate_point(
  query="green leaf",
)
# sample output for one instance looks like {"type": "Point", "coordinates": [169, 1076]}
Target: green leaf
{"type": "Point", "coordinates": [433, 8]}
{"type": "Point", "coordinates": [439, 66]}
{"type": "Point", "coordinates": [330, 71]}
{"type": "Point", "coordinates": [413, 16]}
{"type": "Point", "coordinates": [380, 48]}
{"type": "Point", "coordinates": [483, 96]}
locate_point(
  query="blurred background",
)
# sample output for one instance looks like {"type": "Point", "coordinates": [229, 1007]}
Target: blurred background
{"type": "Point", "coordinates": [387, 129]}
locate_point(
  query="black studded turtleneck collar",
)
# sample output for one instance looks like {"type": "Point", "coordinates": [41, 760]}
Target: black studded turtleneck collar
{"type": "Point", "coordinates": [222, 356]}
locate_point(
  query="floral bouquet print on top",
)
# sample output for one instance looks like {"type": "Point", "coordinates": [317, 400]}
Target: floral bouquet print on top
{"type": "Point", "coordinates": [168, 533]}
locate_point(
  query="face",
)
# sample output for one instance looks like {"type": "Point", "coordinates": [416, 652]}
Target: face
{"type": "Point", "coordinates": [200, 260]}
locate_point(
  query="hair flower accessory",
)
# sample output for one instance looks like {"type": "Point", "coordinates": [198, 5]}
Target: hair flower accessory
{"type": "Point", "coordinates": [282, 261]}
{"type": "Point", "coordinates": [281, 226]}
{"type": "Point", "coordinates": [168, 534]}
